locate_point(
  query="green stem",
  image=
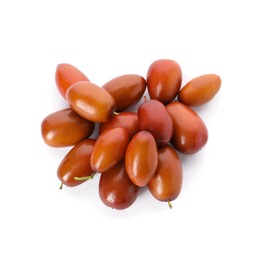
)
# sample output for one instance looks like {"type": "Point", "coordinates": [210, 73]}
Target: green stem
{"type": "Point", "coordinates": [85, 178]}
{"type": "Point", "coordinates": [169, 204]}
{"type": "Point", "coordinates": [61, 186]}
{"type": "Point", "coordinates": [115, 113]}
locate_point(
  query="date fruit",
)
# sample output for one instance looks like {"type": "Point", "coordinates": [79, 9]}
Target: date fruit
{"type": "Point", "coordinates": [90, 101]}
{"type": "Point", "coordinates": [141, 158]}
{"type": "Point", "coordinates": [200, 90]}
{"type": "Point", "coordinates": [154, 118]}
{"type": "Point", "coordinates": [66, 75]}
{"type": "Point", "coordinates": [116, 189]}
{"type": "Point", "coordinates": [109, 149]}
{"type": "Point", "coordinates": [126, 90]}
{"type": "Point", "coordinates": [65, 128]}
{"type": "Point", "coordinates": [76, 163]}
{"type": "Point", "coordinates": [128, 120]}
{"type": "Point", "coordinates": [167, 181]}
{"type": "Point", "coordinates": [164, 80]}
{"type": "Point", "coordinates": [190, 133]}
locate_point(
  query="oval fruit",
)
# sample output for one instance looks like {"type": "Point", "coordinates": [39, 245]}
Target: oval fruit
{"type": "Point", "coordinates": [141, 158]}
{"type": "Point", "coordinates": [116, 189]}
{"type": "Point", "coordinates": [91, 101]}
{"type": "Point", "coordinates": [76, 163]}
{"type": "Point", "coordinates": [167, 181]}
{"type": "Point", "coordinates": [126, 90]}
{"type": "Point", "coordinates": [65, 128]}
{"type": "Point", "coordinates": [190, 132]}
{"type": "Point", "coordinates": [109, 149]}
{"type": "Point", "coordinates": [128, 120]}
{"type": "Point", "coordinates": [164, 80]}
{"type": "Point", "coordinates": [66, 75]}
{"type": "Point", "coordinates": [200, 90]}
{"type": "Point", "coordinates": [154, 118]}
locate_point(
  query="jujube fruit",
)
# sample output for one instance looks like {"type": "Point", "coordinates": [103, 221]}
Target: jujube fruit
{"type": "Point", "coordinates": [128, 120]}
{"type": "Point", "coordinates": [167, 181]}
{"type": "Point", "coordinates": [200, 90]}
{"type": "Point", "coordinates": [141, 158]}
{"type": "Point", "coordinates": [154, 117]}
{"type": "Point", "coordinates": [76, 163]}
{"type": "Point", "coordinates": [126, 90]}
{"type": "Point", "coordinates": [116, 190]}
{"type": "Point", "coordinates": [66, 75]}
{"type": "Point", "coordinates": [164, 80]}
{"type": "Point", "coordinates": [90, 101]}
{"type": "Point", "coordinates": [65, 128]}
{"type": "Point", "coordinates": [109, 149]}
{"type": "Point", "coordinates": [190, 133]}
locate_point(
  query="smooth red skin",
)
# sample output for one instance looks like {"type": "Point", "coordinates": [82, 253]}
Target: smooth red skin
{"type": "Point", "coordinates": [167, 181]}
{"type": "Point", "coordinates": [200, 90]}
{"type": "Point", "coordinates": [65, 128]}
{"type": "Point", "coordinates": [141, 158]}
{"type": "Point", "coordinates": [164, 80]}
{"type": "Point", "coordinates": [91, 102]}
{"type": "Point", "coordinates": [126, 90]}
{"type": "Point", "coordinates": [190, 133]}
{"type": "Point", "coordinates": [109, 149]}
{"type": "Point", "coordinates": [66, 75]}
{"type": "Point", "coordinates": [76, 163]}
{"type": "Point", "coordinates": [154, 118]}
{"type": "Point", "coordinates": [116, 189]}
{"type": "Point", "coordinates": [128, 120]}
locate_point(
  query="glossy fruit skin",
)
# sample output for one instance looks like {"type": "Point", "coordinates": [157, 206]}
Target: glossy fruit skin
{"type": "Point", "coordinates": [154, 118]}
{"type": "Point", "coordinates": [116, 189]}
{"type": "Point", "coordinates": [141, 158]}
{"type": "Point", "coordinates": [65, 128]}
{"type": "Point", "coordinates": [126, 90]}
{"type": "Point", "coordinates": [128, 120]}
{"type": "Point", "coordinates": [190, 133]}
{"type": "Point", "coordinates": [109, 149]}
{"type": "Point", "coordinates": [167, 181]}
{"type": "Point", "coordinates": [90, 101]}
{"type": "Point", "coordinates": [164, 80]}
{"type": "Point", "coordinates": [66, 75]}
{"type": "Point", "coordinates": [76, 163]}
{"type": "Point", "coordinates": [200, 90]}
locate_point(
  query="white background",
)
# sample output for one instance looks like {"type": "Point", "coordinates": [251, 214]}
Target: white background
{"type": "Point", "coordinates": [216, 216]}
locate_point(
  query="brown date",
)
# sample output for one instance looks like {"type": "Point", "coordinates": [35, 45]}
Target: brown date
{"type": "Point", "coordinates": [126, 90]}
{"type": "Point", "coordinates": [66, 75]}
{"type": "Point", "coordinates": [109, 149]}
{"type": "Point", "coordinates": [154, 118]}
{"type": "Point", "coordinates": [164, 80]}
{"type": "Point", "coordinates": [76, 163]}
{"type": "Point", "coordinates": [190, 133]}
{"type": "Point", "coordinates": [167, 181]}
{"type": "Point", "coordinates": [127, 120]}
{"type": "Point", "coordinates": [200, 90]}
{"type": "Point", "coordinates": [141, 158]}
{"type": "Point", "coordinates": [65, 128]}
{"type": "Point", "coordinates": [116, 189]}
{"type": "Point", "coordinates": [90, 101]}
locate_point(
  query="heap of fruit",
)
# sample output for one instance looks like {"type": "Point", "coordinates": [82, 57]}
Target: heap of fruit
{"type": "Point", "coordinates": [132, 149]}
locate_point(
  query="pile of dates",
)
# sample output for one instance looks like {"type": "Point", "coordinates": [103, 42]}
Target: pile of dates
{"type": "Point", "coordinates": [132, 149]}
